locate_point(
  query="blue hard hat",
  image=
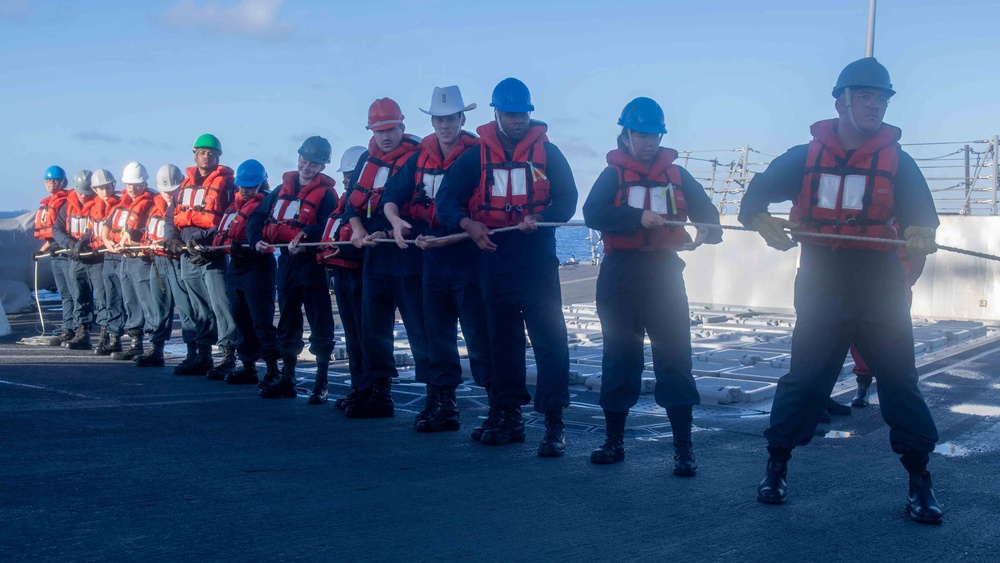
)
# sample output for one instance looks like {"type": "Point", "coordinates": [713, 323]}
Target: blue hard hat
{"type": "Point", "coordinates": [643, 115]}
{"type": "Point", "coordinates": [55, 173]}
{"type": "Point", "coordinates": [250, 174]}
{"type": "Point", "coordinates": [316, 149]}
{"type": "Point", "coordinates": [512, 96]}
{"type": "Point", "coordinates": [864, 73]}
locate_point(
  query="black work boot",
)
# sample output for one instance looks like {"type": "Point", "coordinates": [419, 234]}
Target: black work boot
{"type": "Point", "coordinates": [509, 428]}
{"type": "Point", "coordinates": [492, 421]}
{"type": "Point", "coordinates": [347, 400]}
{"type": "Point", "coordinates": [860, 400]}
{"type": "Point", "coordinates": [445, 416]}
{"type": "Point", "coordinates": [613, 450]}
{"type": "Point", "coordinates": [321, 392]}
{"type": "Point", "coordinates": [284, 387]}
{"type": "Point", "coordinates": [376, 403]}
{"type": "Point", "coordinates": [554, 442]}
{"type": "Point", "coordinates": [246, 375]}
{"type": "Point", "coordinates": [189, 361]}
{"type": "Point", "coordinates": [773, 489]}
{"type": "Point", "coordinates": [65, 335]}
{"type": "Point", "coordinates": [921, 502]}
{"type": "Point", "coordinates": [114, 345]}
{"type": "Point", "coordinates": [226, 365]}
{"type": "Point", "coordinates": [681, 419]}
{"type": "Point", "coordinates": [271, 375]}
{"type": "Point", "coordinates": [102, 343]}
{"type": "Point", "coordinates": [837, 409]}
{"type": "Point", "coordinates": [153, 357]}
{"type": "Point", "coordinates": [430, 404]}
{"type": "Point", "coordinates": [133, 351]}
{"type": "Point", "coordinates": [80, 340]}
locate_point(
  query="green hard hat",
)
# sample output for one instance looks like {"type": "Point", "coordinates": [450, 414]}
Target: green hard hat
{"type": "Point", "coordinates": [207, 141]}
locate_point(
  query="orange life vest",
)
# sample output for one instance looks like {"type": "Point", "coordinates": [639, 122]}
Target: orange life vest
{"type": "Point", "coordinates": [431, 165]}
{"type": "Point", "coordinates": [657, 189]}
{"type": "Point", "coordinates": [99, 212]}
{"type": "Point", "coordinates": [848, 196]}
{"type": "Point", "coordinates": [130, 215]}
{"type": "Point", "coordinates": [380, 166]}
{"type": "Point", "coordinates": [155, 223]}
{"type": "Point", "coordinates": [336, 230]}
{"type": "Point", "coordinates": [509, 190]}
{"type": "Point", "coordinates": [202, 205]}
{"type": "Point", "coordinates": [78, 215]}
{"type": "Point", "coordinates": [292, 211]}
{"type": "Point", "coordinates": [45, 217]}
{"type": "Point", "coordinates": [234, 222]}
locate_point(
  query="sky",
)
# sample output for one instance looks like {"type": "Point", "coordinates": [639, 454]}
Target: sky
{"type": "Point", "coordinates": [100, 84]}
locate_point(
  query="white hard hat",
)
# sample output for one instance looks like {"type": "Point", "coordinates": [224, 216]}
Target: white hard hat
{"type": "Point", "coordinates": [168, 179]}
{"type": "Point", "coordinates": [350, 159]}
{"type": "Point", "coordinates": [134, 173]}
{"type": "Point", "coordinates": [102, 177]}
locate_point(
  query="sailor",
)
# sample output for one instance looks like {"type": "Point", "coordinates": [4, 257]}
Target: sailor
{"type": "Point", "coordinates": [450, 284]}
{"type": "Point", "coordinates": [91, 260]}
{"type": "Point", "coordinates": [72, 231]}
{"type": "Point", "coordinates": [249, 280]}
{"type": "Point", "coordinates": [345, 263]}
{"type": "Point", "coordinates": [124, 229]}
{"type": "Point", "coordinates": [192, 220]}
{"type": "Point", "coordinates": [45, 219]}
{"type": "Point", "coordinates": [103, 183]}
{"type": "Point", "coordinates": [164, 273]}
{"type": "Point", "coordinates": [852, 179]}
{"type": "Point", "coordinates": [293, 214]}
{"type": "Point", "coordinates": [640, 289]}
{"type": "Point", "coordinates": [391, 275]}
{"type": "Point", "coordinates": [517, 178]}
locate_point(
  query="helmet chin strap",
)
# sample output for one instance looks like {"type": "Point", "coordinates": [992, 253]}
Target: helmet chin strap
{"type": "Point", "coordinates": [850, 107]}
{"type": "Point", "coordinates": [496, 114]}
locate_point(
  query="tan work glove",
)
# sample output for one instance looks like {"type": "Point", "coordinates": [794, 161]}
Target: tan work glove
{"type": "Point", "coordinates": [772, 230]}
{"type": "Point", "coordinates": [920, 240]}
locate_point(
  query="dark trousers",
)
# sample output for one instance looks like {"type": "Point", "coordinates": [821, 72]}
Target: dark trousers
{"type": "Point", "coordinates": [452, 294]}
{"type": "Point", "coordinates": [194, 277]}
{"type": "Point", "coordinates": [61, 272]}
{"type": "Point", "coordinates": [95, 278]}
{"type": "Point", "coordinates": [111, 272]}
{"type": "Point", "coordinates": [845, 296]}
{"type": "Point", "coordinates": [169, 269]}
{"type": "Point", "coordinates": [83, 294]}
{"type": "Point", "coordinates": [250, 284]}
{"type": "Point", "coordinates": [640, 293]}
{"type": "Point", "coordinates": [381, 294]}
{"type": "Point", "coordinates": [347, 289]}
{"type": "Point", "coordinates": [303, 284]}
{"type": "Point", "coordinates": [139, 314]}
{"type": "Point", "coordinates": [161, 307]}
{"type": "Point", "coordinates": [521, 290]}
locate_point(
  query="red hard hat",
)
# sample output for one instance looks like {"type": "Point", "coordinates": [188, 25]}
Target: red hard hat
{"type": "Point", "coordinates": [384, 113]}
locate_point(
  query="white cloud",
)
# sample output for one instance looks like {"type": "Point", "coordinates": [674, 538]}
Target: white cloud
{"type": "Point", "coordinates": [258, 17]}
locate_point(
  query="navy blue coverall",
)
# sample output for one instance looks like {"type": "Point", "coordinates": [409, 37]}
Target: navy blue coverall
{"type": "Point", "coordinates": [844, 296]}
{"type": "Point", "coordinates": [347, 290]}
{"type": "Point", "coordinates": [205, 285]}
{"type": "Point", "coordinates": [301, 283]}
{"type": "Point", "coordinates": [640, 292]}
{"type": "Point", "coordinates": [520, 284]}
{"type": "Point", "coordinates": [77, 278]}
{"type": "Point", "coordinates": [250, 286]}
{"type": "Point", "coordinates": [391, 279]}
{"type": "Point", "coordinates": [451, 294]}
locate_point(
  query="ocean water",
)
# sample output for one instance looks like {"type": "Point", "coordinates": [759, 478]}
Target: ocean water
{"type": "Point", "coordinates": [571, 242]}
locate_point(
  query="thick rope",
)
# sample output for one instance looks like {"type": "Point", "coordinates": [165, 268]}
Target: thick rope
{"type": "Point", "coordinates": [459, 236]}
